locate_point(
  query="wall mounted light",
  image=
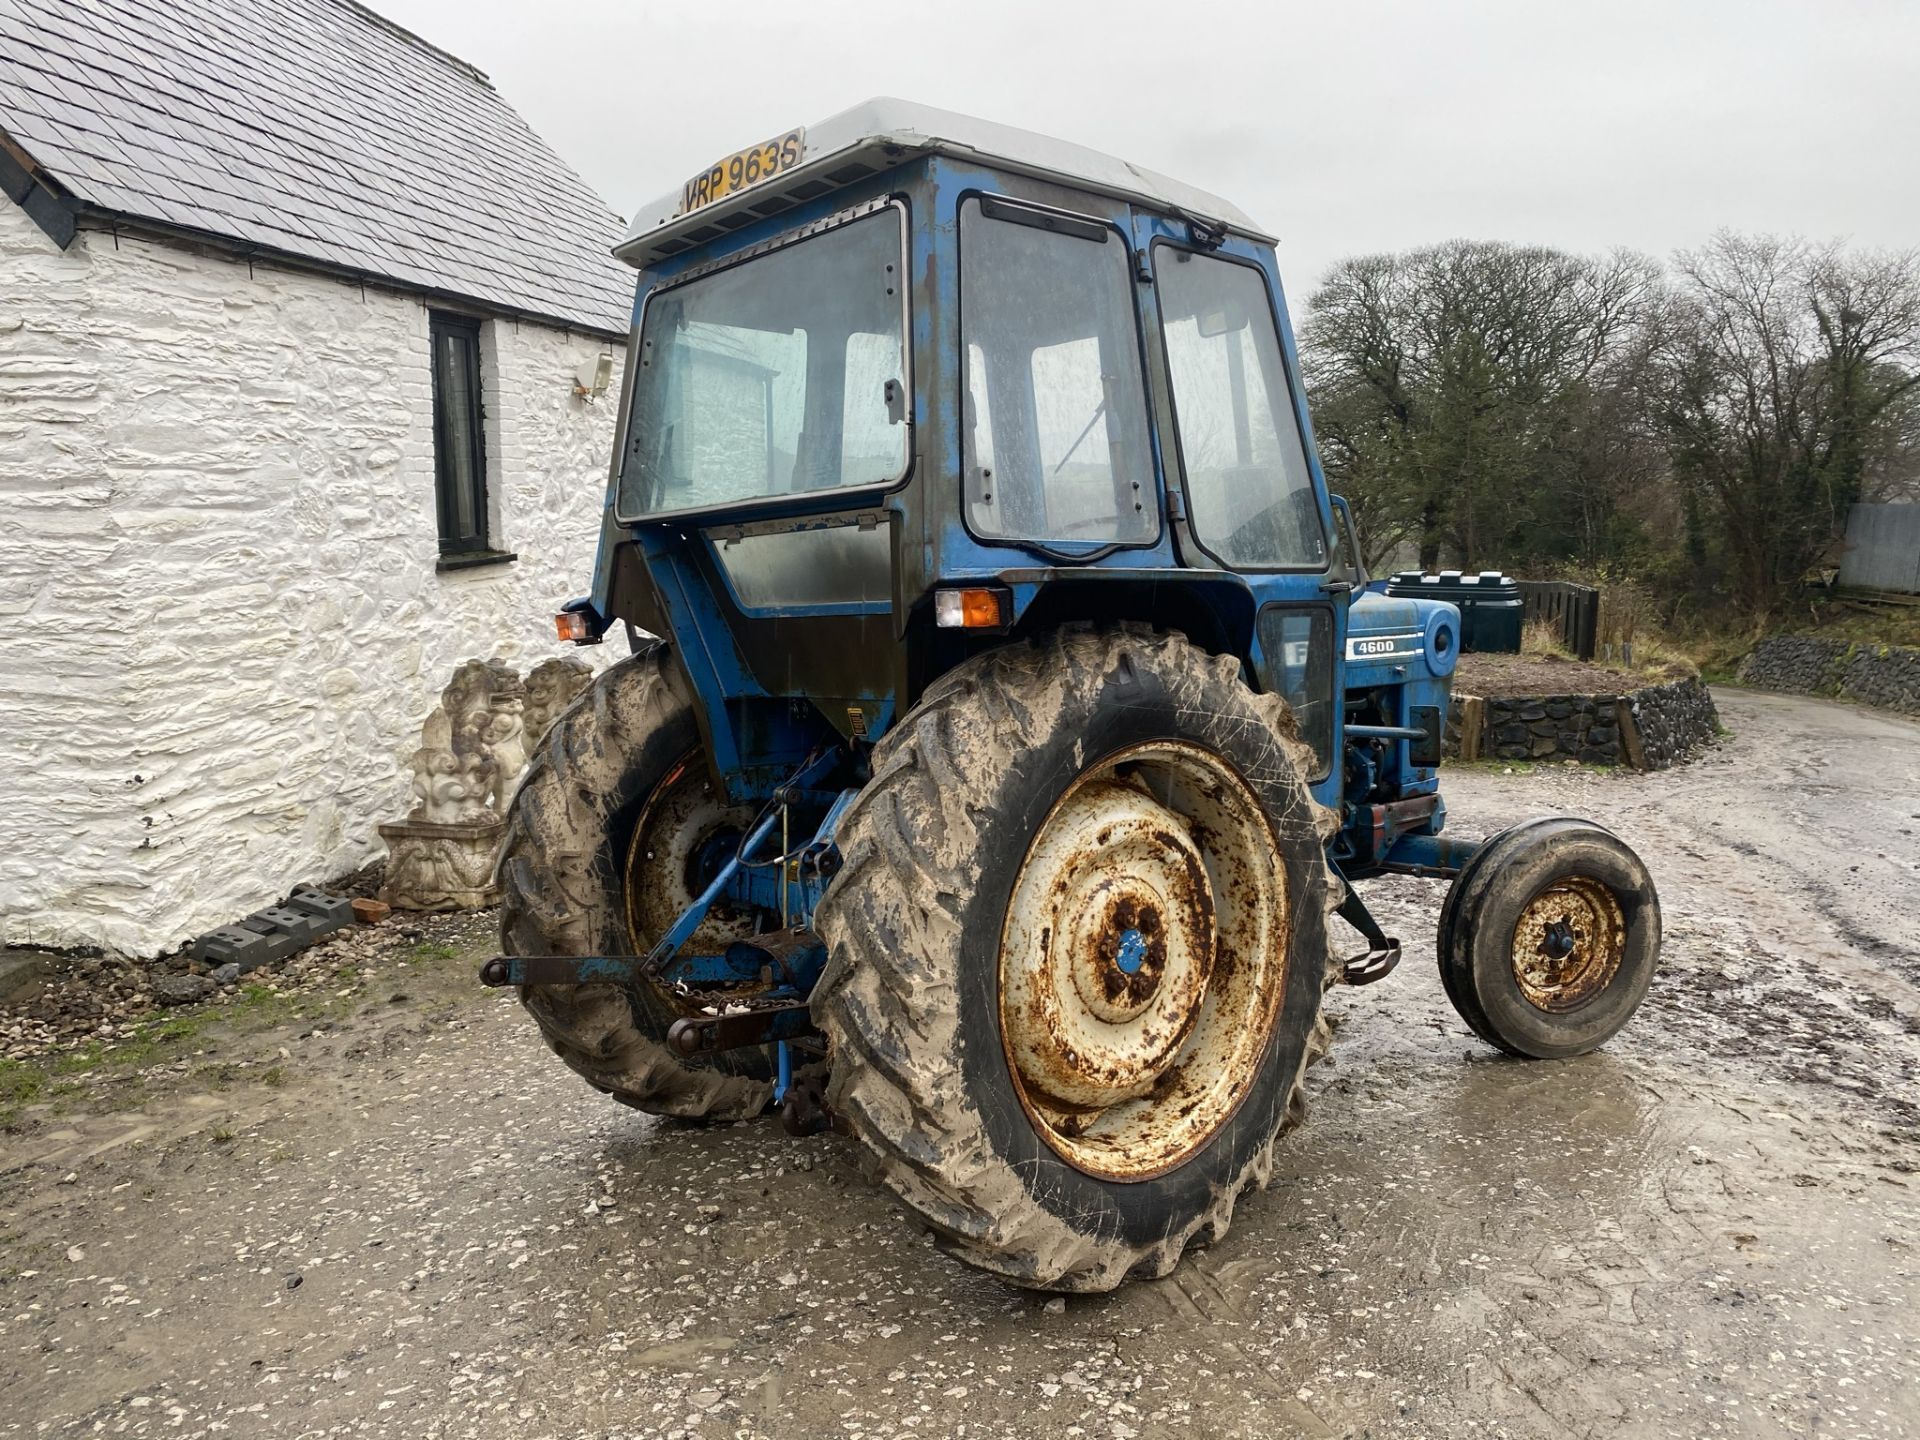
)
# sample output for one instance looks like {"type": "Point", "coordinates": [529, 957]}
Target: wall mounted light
{"type": "Point", "coordinates": [593, 377]}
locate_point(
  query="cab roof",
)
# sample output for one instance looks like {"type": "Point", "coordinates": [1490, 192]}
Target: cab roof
{"type": "Point", "coordinates": [882, 133]}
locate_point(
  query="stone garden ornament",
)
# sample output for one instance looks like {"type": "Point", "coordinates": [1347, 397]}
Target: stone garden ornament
{"type": "Point", "coordinates": [474, 748]}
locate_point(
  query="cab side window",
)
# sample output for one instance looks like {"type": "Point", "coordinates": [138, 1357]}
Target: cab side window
{"type": "Point", "coordinates": [1054, 423]}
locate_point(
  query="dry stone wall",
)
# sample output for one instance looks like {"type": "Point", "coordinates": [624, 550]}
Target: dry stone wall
{"type": "Point", "coordinates": [1675, 721]}
{"type": "Point", "coordinates": [1883, 675]}
{"type": "Point", "coordinates": [1579, 727]}
{"type": "Point", "coordinates": [1649, 729]}
{"type": "Point", "coordinates": [220, 620]}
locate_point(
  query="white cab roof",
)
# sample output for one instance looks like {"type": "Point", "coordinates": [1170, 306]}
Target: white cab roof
{"type": "Point", "coordinates": [882, 133]}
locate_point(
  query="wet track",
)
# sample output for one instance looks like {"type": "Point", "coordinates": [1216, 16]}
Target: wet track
{"type": "Point", "coordinates": [1711, 1228]}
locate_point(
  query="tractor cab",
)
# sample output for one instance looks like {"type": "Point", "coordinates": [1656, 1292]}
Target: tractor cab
{"type": "Point", "coordinates": [907, 384]}
{"type": "Point", "coordinates": [1004, 725]}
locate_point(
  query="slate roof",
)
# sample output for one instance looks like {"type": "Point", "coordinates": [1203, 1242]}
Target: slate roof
{"type": "Point", "coordinates": [313, 128]}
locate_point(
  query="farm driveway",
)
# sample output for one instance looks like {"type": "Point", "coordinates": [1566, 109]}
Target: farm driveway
{"type": "Point", "coordinates": [1710, 1229]}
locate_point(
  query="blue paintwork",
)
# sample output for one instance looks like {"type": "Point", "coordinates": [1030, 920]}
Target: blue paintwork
{"type": "Point", "coordinates": [1132, 953]}
{"type": "Point", "coordinates": [1437, 853]}
{"type": "Point", "coordinates": [755, 735]}
{"type": "Point", "coordinates": [1404, 650]}
{"type": "Point", "coordinates": [588, 969]}
{"type": "Point", "coordinates": [783, 1071]}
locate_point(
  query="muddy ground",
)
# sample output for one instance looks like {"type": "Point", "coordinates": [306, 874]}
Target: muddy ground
{"type": "Point", "coordinates": [381, 1208]}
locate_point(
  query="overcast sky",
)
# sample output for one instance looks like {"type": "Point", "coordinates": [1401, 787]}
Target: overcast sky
{"type": "Point", "coordinates": [1342, 127]}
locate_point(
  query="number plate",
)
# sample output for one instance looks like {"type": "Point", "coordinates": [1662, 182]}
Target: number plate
{"type": "Point", "coordinates": [742, 170]}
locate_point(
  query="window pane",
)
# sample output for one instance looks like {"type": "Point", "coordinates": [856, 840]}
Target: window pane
{"type": "Point", "coordinates": [869, 435]}
{"type": "Point", "coordinates": [1055, 444]}
{"type": "Point", "coordinates": [1248, 488]}
{"type": "Point", "coordinates": [839, 564]}
{"type": "Point", "coordinates": [750, 388]}
{"type": "Point", "coordinates": [459, 461]}
{"type": "Point", "coordinates": [770, 376]}
{"type": "Point", "coordinates": [978, 420]}
{"type": "Point", "coordinates": [1297, 646]}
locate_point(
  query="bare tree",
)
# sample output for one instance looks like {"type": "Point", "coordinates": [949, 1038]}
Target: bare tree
{"type": "Point", "coordinates": [1789, 377]}
{"type": "Point", "coordinates": [1475, 393]}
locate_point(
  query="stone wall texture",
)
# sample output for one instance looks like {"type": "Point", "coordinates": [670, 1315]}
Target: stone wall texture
{"type": "Point", "coordinates": [1675, 721]}
{"type": "Point", "coordinates": [1883, 675]}
{"type": "Point", "coordinates": [1651, 728]}
{"type": "Point", "coordinates": [220, 620]}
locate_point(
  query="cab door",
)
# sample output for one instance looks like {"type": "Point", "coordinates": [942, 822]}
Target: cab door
{"type": "Point", "coordinates": [1244, 484]}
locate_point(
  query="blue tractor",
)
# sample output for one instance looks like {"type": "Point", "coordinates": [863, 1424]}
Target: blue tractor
{"type": "Point", "coordinates": [1018, 722]}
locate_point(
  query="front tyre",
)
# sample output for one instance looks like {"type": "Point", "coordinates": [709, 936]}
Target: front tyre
{"type": "Point", "coordinates": [1549, 938]}
{"type": "Point", "coordinates": [1076, 953]}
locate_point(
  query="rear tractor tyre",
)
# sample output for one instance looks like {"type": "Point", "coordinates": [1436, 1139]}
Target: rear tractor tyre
{"type": "Point", "coordinates": [1076, 953]}
{"type": "Point", "coordinates": [1549, 938]}
{"type": "Point", "coordinates": [603, 847]}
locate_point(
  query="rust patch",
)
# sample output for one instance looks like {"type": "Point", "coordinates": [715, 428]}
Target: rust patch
{"type": "Point", "coordinates": [1125, 1074]}
{"type": "Point", "coordinates": [1568, 944]}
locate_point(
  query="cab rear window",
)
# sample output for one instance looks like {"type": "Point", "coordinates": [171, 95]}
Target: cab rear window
{"type": "Point", "coordinates": [784, 373]}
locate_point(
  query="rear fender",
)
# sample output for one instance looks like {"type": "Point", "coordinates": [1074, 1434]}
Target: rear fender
{"type": "Point", "coordinates": [1213, 609]}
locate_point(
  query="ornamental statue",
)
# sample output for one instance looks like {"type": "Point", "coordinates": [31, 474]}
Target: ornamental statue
{"type": "Point", "coordinates": [473, 750]}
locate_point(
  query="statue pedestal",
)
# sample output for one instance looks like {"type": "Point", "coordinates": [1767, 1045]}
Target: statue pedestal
{"type": "Point", "coordinates": [441, 864]}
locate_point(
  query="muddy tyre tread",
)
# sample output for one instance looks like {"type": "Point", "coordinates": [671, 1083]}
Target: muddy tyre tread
{"type": "Point", "coordinates": [1462, 916]}
{"type": "Point", "coordinates": [1474, 876]}
{"type": "Point", "coordinates": [554, 899]}
{"type": "Point", "coordinates": [894, 904]}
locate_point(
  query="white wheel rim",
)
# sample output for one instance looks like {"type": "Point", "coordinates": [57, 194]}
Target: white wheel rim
{"type": "Point", "coordinates": [1142, 960]}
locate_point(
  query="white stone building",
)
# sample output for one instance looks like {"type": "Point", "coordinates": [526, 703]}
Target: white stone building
{"type": "Point", "coordinates": [256, 501]}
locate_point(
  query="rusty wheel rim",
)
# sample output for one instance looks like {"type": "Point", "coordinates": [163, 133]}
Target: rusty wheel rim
{"type": "Point", "coordinates": [1568, 944]}
{"type": "Point", "coordinates": [1142, 960]}
{"type": "Point", "coordinates": [682, 817]}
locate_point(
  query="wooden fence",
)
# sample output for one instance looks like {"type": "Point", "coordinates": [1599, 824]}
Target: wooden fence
{"type": "Point", "coordinates": [1572, 610]}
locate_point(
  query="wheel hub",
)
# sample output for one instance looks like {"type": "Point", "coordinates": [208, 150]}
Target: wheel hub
{"type": "Point", "coordinates": [680, 838]}
{"type": "Point", "coordinates": [1143, 952]}
{"type": "Point", "coordinates": [1125, 948]}
{"type": "Point", "coordinates": [1568, 944]}
{"type": "Point", "coordinates": [1559, 940]}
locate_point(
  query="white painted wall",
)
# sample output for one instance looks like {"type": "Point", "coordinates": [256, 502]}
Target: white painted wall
{"type": "Point", "coordinates": [220, 622]}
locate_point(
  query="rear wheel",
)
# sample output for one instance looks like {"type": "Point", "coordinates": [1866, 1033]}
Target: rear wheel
{"type": "Point", "coordinates": [1549, 938]}
{"type": "Point", "coordinates": [610, 835]}
{"type": "Point", "coordinates": [1076, 953]}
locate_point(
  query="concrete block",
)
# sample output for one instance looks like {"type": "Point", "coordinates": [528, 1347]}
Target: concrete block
{"type": "Point", "coordinates": [242, 945]}
{"type": "Point", "coordinates": [336, 909]}
{"type": "Point", "coordinates": [298, 923]}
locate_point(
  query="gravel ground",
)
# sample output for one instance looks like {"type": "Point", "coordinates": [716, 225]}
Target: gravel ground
{"type": "Point", "coordinates": [376, 1206]}
{"type": "Point", "coordinates": [107, 1000]}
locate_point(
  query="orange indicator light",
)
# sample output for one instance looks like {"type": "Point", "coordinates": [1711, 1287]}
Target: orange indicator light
{"type": "Point", "coordinates": [972, 609]}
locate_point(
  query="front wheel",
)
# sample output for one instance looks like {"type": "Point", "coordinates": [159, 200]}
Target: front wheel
{"type": "Point", "coordinates": [1077, 948]}
{"type": "Point", "coordinates": [1549, 938]}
